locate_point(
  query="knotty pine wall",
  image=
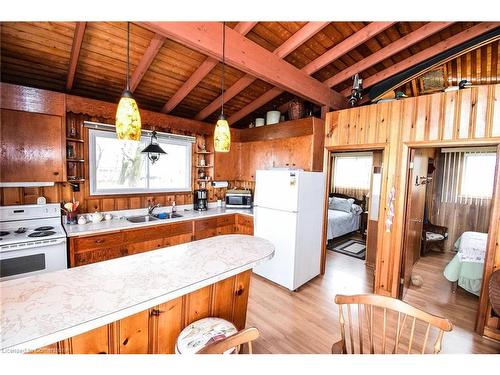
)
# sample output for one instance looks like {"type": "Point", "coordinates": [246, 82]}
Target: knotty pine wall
{"type": "Point", "coordinates": [466, 117]}
{"type": "Point", "coordinates": [63, 192]}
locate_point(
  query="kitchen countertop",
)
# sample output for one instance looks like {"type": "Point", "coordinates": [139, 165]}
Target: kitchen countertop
{"type": "Point", "coordinates": [43, 309]}
{"type": "Point", "coordinates": [122, 223]}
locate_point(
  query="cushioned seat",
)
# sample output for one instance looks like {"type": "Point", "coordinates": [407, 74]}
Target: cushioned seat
{"type": "Point", "coordinates": [202, 332]}
{"type": "Point", "coordinates": [430, 236]}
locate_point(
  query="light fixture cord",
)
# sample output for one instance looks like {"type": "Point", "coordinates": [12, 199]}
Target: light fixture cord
{"type": "Point", "coordinates": [223, 63]}
{"type": "Point", "coordinates": [128, 55]}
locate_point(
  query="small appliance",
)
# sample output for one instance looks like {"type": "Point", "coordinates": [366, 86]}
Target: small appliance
{"type": "Point", "coordinates": [200, 201]}
{"type": "Point", "coordinates": [238, 198]}
{"type": "Point", "coordinates": [32, 240]}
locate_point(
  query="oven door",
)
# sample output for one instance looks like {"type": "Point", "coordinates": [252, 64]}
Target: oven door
{"type": "Point", "coordinates": [30, 260]}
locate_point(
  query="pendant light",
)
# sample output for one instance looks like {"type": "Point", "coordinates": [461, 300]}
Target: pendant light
{"type": "Point", "coordinates": [153, 149]}
{"type": "Point", "coordinates": [128, 118]}
{"type": "Point", "coordinates": [222, 134]}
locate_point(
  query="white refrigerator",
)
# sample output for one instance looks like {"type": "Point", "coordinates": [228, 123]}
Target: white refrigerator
{"type": "Point", "coordinates": [288, 211]}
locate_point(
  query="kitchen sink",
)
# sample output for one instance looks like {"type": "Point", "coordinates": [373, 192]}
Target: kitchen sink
{"type": "Point", "coordinates": [147, 218]}
{"type": "Point", "coordinates": [142, 218]}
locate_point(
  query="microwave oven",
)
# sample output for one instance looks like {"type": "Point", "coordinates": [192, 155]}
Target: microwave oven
{"type": "Point", "coordinates": [238, 199]}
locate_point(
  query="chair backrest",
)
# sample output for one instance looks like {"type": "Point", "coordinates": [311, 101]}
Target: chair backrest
{"type": "Point", "coordinates": [386, 325]}
{"type": "Point", "coordinates": [245, 336]}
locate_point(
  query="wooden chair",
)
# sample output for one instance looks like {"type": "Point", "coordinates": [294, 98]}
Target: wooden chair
{"type": "Point", "coordinates": [245, 336]}
{"type": "Point", "coordinates": [433, 236]}
{"type": "Point", "coordinates": [377, 313]}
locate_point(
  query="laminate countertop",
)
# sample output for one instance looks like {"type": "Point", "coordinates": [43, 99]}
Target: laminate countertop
{"type": "Point", "coordinates": [43, 309]}
{"type": "Point", "coordinates": [120, 222]}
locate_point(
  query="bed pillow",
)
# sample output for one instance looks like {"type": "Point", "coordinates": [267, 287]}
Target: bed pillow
{"type": "Point", "coordinates": [355, 209]}
{"type": "Point", "coordinates": [341, 204]}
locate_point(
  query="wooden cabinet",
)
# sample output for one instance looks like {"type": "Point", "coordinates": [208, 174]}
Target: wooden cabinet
{"type": "Point", "coordinates": [227, 164]}
{"type": "Point", "coordinates": [156, 330]}
{"type": "Point", "coordinates": [95, 248]}
{"type": "Point", "coordinates": [32, 147]}
{"type": "Point", "coordinates": [244, 224]}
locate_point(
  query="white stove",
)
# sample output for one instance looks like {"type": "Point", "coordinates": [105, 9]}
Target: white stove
{"type": "Point", "coordinates": [32, 240]}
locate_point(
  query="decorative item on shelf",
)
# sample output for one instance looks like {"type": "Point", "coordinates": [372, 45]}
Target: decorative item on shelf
{"type": "Point", "coordinates": [260, 121]}
{"type": "Point", "coordinates": [222, 134]}
{"type": "Point", "coordinates": [82, 220]}
{"type": "Point", "coordinates": [128, 118]}
{"type": "Point", "coordinates": [282, 118]}
{"type": "Point", "coordinates": [251, 125]}
{"type": "Point", "coordinates": [153, 149]}
{"type": "Point", "coordinates": [201, 174]}
{"type": "Point", "coordinates": [295, 109]}
{"type": "Point", "coordinates": [108, 216]}
{"type": "Point", "coordinates": [272, 117]}
{"type": "Point", "coordinates": [70, 208]}
{"type": "Point", "coordinates": [70, 151]}
{"type": "Point", "coordinates": [72, 130]}
{"type": "Point", "coordinates": [356, 91]}
{"type": "Point", "coordinates": [202, 162]}
{"type": "Point", "coordinates": [96, 217]}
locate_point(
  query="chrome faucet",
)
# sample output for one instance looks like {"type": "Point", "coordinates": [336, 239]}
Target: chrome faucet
{"type": "Point", "coordinates": [152, 207]}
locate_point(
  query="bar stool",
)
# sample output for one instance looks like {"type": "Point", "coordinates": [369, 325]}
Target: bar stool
{"type": "Point", "coordinates": [203, 332]}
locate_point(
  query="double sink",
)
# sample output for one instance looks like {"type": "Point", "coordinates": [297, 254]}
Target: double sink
{"type": "Point", "coordinates": [152, 217]}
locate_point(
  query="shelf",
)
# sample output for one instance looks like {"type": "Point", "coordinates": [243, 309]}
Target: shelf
{"type": "Point", "coordinates": [203, 152]}
{"type": "Point", "coordinates": [74, 140]}
{"type": "Point", "coordinates": [203, 180]}
{"type": "Point", "coordinates": [75, 160]}
{"type": "Point", "coordinates": [203, 166]}
{"type": "Point", "coordinates": [77, 180]}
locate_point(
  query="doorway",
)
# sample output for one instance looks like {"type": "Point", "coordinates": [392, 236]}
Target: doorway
{"type": "Point", "coordinates": [447, 219]}
{"type": "Point", "coordinates": [354, 189]}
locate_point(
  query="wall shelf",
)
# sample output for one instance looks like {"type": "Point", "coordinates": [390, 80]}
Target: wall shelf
{"type": "Point", "coordinates": [203, 166]}
{"type": "Point", "coordinates": [74, 140]}
{"type": "Point", "coordinates": [75, 160]}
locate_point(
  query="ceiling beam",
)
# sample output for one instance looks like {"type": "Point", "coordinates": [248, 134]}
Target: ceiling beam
{"type": "Point", "coordinates": [147, 59]}
{"type": "Point", "coordinates": [200, 73]}
{"type": "Point", "coordinates": [75, 53]}
{"type": "Point", "coordinates": [248, 56]}
{"type": "Point", "coordinates": [291, 44]}
{"type": "Point", "coordinates": [414, 37]}
{"type": "Point", "coordinates": [427, 53]}
{"type": "Point", "coordinates": [328, 57]}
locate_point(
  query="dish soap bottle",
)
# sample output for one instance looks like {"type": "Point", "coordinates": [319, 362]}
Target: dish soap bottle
{"type": "Point", "coordinates": [174, 208]}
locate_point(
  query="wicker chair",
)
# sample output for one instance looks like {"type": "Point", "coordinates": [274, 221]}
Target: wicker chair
{"type": "Point", "coordinates": [433, 236]}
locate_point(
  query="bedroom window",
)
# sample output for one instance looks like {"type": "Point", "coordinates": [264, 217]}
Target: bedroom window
{"type": "Point", "coordinates": [478, 173]}
{"type": "Point", "coordinates": [119, 167]}
{"type": "Point", "coordinates": [352, 171]}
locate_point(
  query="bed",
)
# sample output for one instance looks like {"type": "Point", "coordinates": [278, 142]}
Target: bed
{"type": "Point", "coordinates": [466, 267]}
{"type": "Point", "coordinates": [341, 222]}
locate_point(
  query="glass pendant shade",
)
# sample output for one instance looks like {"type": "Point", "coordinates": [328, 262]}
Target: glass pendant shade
{"type": "Point", "coordinates": [128, 118]}
{"type": "Point", "coordinates": [153, 149]}
{"type": "Point", "coordinates": [222, 135]}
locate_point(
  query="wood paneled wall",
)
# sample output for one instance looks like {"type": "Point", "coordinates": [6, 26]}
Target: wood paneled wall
{"type": "Point", "coordinates": [459, 217]}
{"type": "Point", "coordinates": [466, 117]}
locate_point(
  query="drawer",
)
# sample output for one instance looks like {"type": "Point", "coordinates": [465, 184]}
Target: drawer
{"type": "Point", "coordinates": [176, 229]}
{"type": "Point", "coordinates": [205, 224]}
{"type": "Point", "coordinates": [98, 255]}
{"type": "Point", "coordinates": [245, 220]}
{"type": "Point", "coordinates": [226, 220]}
{"type": "Point", "coordinates": [97, 242]}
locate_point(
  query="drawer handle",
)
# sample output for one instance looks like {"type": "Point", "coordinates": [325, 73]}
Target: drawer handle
{"type": "Point", "coordinates": [240, 291]}
{"type": "Point", "coordinates": [155, 312]}
{"type": "Point", "coordinates": [99, 240]}
{"type": "Point", "coordinates": [56, 173]}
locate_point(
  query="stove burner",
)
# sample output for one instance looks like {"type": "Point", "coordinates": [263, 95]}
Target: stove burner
{"type": "Point", "coordinates": [3, 233]}
{"type": "Point", "coordinates": [20, 230]}
{"type": "Point", "coordinates": [43, 229]}
{"type": "Point", "coordinates": [41, 234]}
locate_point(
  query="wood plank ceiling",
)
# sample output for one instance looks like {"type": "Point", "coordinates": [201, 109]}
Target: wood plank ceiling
{"type": "Point", "coordinates": [42, 54]}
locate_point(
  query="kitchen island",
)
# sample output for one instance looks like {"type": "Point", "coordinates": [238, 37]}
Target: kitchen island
{"type": "Point", "coordinates": [134, 304]}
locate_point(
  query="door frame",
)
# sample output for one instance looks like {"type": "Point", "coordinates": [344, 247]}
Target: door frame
{"type": "Point", "coordinates": [489, 261]}
{"type": "Point", "coordinates": [327, 169]}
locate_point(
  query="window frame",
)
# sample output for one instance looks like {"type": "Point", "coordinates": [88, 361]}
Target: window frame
{"type": "Point", "coordinates": [162, 137]}
{"type": "Point", "coordinates": [462, 194]}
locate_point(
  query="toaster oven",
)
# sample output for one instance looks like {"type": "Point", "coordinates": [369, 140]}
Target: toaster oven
{"type": "Point", "coordinates": [238, 199]}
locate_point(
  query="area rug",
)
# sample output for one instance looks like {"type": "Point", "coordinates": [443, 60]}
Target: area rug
{"type": "Point", "coordinates": [353, 248]}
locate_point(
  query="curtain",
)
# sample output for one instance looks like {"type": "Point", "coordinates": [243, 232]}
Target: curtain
{"type": "Point", "coordinates": [352, 174]}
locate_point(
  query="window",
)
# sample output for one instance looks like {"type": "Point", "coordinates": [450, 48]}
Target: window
{"type": "Point", "coordinates": [478, 173]}
{"type": "Point", "coordinates": [119, 167]}
{"type": "Point", "coordinates": [352, 171]}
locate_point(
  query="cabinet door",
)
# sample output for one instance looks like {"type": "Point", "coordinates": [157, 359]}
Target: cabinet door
{"type": "Point", "coordinates": [169, 317]}
{"type": "Point", "coordinates": [92, 342]}
{"type": "Point", "coordinates": [255, 155]}
{"type": "Point", "coordinates": [226, 224]}
{"type": "Point", "coordinates": [241, 289]}
{"type": "Point", "coordinates": [245, 224]}
{"type": "Point", "coordinates": [98, 255]}
{"type": "Point", "coordinates": [292, 152]}
{"type": "Point", "coordinates": [205, 228]}
{"type": "Point", "coordinates": [32, 147]}
{"type": "Point", "coordinates": [133, 334]}
{"type": "Point", "coordinates": [227, 164]}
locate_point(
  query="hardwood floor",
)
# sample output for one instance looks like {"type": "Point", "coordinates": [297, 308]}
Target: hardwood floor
{"type": "Point", "coordinates": [435, 297]}
{"type": "Point", "coordinates": [306, 321]}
